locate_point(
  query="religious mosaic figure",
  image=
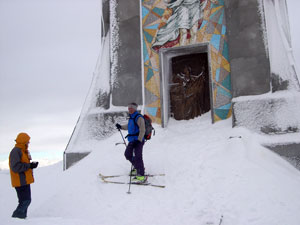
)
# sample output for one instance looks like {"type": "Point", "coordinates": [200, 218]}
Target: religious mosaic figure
{"type": "Point", "coordinates": [180, 22]}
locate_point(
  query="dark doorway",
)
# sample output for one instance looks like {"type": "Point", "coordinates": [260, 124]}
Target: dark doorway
{"type": "Point", "coordinates": [189, 86]}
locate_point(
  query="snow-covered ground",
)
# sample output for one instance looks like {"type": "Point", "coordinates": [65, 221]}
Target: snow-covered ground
{"type": "Point", "coordinates": [207, 175]}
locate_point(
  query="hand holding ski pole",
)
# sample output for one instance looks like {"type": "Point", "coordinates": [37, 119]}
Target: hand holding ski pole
{"type": "Point", "coordinates": [118, 126]}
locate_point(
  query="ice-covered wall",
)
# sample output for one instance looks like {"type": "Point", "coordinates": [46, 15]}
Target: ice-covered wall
{"type": "Point", "coordinates": [276, 109]}
{"type": "Point", "coordinates": [269, 113]}
{"type": "Point", "coordinates": [126, 53]}
{"type": "Point", "coordinates": [87, 128]}
{"type": "Point", "coordinates": [250, 66]}
{"type": "Point", "coordinates": [283, 72]}
{"type": "Point", "coordinates": [117, 79]}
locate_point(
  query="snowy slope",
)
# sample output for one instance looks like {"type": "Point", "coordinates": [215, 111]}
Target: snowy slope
{"type": "Point", "coordinates": [208, 175]}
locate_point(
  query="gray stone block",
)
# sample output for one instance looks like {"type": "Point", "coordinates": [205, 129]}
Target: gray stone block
{"type": "Point", "coordinates": [250, 65]}
{"type": "Point", "coordinates": [288, 151]}
{"type": "Point", "coordinates": [127, 86]}
{"type": "Point", "coordinates": [73, 157]}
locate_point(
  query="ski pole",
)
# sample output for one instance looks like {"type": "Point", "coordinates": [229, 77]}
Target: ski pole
{"type": "Point", "coordinates": [123, 137]}
{"type": "Point", "coordinates": [128, 192]}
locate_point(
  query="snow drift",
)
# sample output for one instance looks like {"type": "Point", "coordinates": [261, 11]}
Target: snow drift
{"type": "Point", "coordinates": [210, 172]}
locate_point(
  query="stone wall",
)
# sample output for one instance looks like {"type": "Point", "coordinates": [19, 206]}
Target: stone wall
{"type": "Point", "coordinates": [250, 66]}
{"type": "Point", "coordinates": [127, 80]}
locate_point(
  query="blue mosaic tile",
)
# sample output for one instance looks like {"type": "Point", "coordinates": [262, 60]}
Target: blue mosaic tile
{"type": "Point", "coordinates": [152, 111]}
{"type": "Point", "coordinates": [145, 52]}
{"type": "Point", "coordinates": [227, 82]}
{"type": "Point", "coordinates": [158, 11]}
{"type": "Point", "coordinates": [145, 11]}
{"type": "Point", "coordinates": [215, 41]}
{"type": "Point", "coordinates": [148, 36]}
{"type": "Point", "coordinates": [221, 113]}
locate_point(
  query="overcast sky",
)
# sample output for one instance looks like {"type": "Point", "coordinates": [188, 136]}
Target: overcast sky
{"type": "Point", "coordinates": [48, 51]}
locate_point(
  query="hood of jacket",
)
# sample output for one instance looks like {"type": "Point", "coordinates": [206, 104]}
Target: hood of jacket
{"type": "Point", "coordinates": [22, 140]}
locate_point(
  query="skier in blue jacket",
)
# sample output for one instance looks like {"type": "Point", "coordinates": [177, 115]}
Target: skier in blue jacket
{"type": "Point", "coordinates": [134, 149]}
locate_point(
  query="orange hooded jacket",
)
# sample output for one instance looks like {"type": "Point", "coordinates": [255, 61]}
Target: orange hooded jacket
{"type": "Point", "coordinates": [19, 162]}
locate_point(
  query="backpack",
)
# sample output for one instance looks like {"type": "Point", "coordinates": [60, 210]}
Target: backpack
{"type": "Point", "coordinates": [148, 126]}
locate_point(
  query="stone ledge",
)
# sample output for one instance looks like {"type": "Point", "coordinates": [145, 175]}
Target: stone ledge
{"type": "Point", "coordinates": [288, 151]}
{"type": "Point", "coordinates": [267, 114]}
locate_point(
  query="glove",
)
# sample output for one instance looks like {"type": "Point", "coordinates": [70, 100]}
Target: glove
{"type": "Point", "coordinates": [34, 165]}
{"type": "Point", "coordinates": [118, 126]}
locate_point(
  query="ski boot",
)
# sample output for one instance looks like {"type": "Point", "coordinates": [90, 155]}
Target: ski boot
{"type": "Point", "coordinates": [140, 179]}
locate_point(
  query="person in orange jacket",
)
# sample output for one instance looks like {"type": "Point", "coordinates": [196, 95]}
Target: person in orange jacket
{"type": "Point", "coordinates": [21, 174]}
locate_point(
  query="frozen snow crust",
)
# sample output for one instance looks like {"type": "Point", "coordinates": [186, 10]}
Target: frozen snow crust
{"type": "Point", "coordinates": [208, 175]}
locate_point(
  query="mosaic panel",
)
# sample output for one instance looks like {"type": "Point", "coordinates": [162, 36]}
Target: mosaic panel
{"type": "Point", "coordinates": [179, 23]}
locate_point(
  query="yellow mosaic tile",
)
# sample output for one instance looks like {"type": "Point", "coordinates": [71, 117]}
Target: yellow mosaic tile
{"type": "Point", "coordinates": [216, 118]}
{"type": "Point", "coordinates": [155, 104]}
{"type": "Point", "coordinates": [213, 10]}
{"type": "Point", "coordinates": [225, 64]}
{"type": "Point", "coordinates": [229, 113]}
{"type": "Point", "coordinates": [214, 55]}
{"type": "Point", "coordinates": [219, 59]}
{"type": "Point", "coordinates": [207, 37]}
{"type": "Point", "coordinates": [154, 63]}
{"type": "Point", "coordinates": [217, 31]}
{"type": "Point", "coordinates": [152, 86]}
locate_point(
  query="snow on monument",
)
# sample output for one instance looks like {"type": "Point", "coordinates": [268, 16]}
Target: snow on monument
{"type": "Point", "coordinates": [183, 58]}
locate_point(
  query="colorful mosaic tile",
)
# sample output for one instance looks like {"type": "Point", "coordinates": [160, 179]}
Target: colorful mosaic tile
{"type": "Point", "coordinates": [211, 29]}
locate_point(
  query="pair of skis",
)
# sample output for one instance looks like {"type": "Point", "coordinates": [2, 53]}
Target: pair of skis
{"type": "Point", "coordinates": [112, 179]}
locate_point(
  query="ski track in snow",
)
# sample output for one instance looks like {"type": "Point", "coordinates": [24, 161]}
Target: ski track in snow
{"type": "Point", "coordinates": [208, 175]}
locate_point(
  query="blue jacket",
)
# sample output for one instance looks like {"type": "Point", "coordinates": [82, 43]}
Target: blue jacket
{"type": "Point", "coordinates": [133, 128]}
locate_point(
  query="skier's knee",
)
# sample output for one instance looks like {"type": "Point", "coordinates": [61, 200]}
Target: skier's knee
{"type": "Point", "coordinates": [128, 156]}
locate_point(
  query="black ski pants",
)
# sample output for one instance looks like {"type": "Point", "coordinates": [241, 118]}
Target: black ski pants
{"type": "Point", "coordinates": [134, 153]}
{"type": "Point", "coordinates": [24, 197]}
